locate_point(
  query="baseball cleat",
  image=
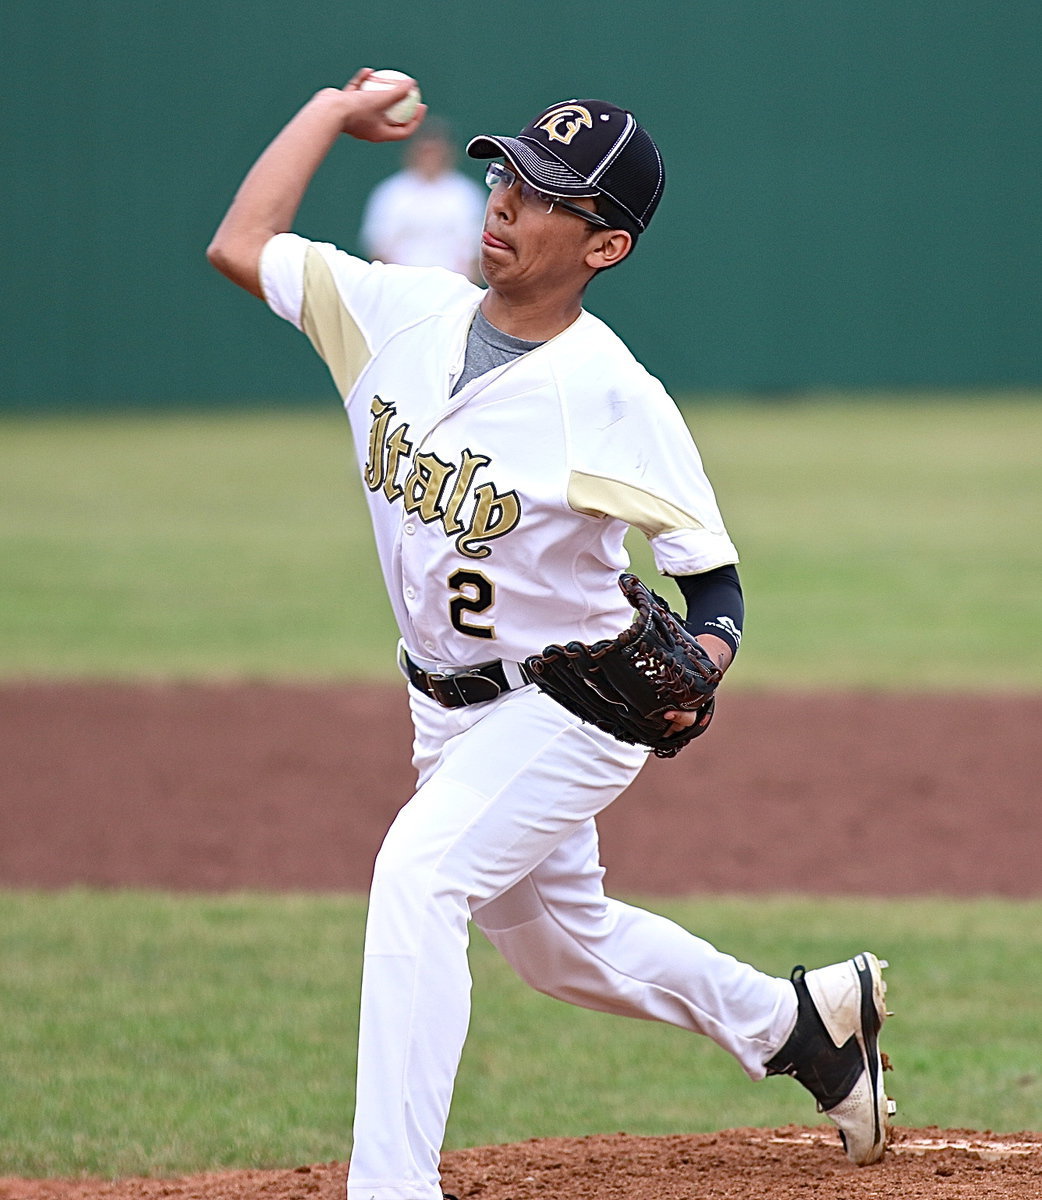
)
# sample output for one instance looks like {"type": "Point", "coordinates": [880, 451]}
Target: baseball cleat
{"type": "Point", "coordinates": [834, 1051]}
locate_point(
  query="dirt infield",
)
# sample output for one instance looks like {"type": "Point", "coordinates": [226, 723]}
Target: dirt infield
{"type": "Point", "coordinates": [219, 788]}
{"type": "Point", "coordinates": [790, 1163]}
{"type": "Point", "coordinates": [226, 787]}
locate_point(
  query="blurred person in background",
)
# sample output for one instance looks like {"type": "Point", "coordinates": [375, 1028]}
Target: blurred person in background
{"type": "Point", "coordinates": [428, 214]}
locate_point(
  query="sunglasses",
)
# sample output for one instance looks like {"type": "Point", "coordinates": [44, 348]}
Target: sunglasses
{"type": "Point", "coordinates": [497, 174]}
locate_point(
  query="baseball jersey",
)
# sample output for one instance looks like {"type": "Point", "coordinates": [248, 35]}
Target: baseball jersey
{"type": "Point", "coordinates": [499, 512]}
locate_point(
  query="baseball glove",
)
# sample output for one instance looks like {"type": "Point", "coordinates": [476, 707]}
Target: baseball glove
{"type": "Point", "coordinates": [623, 685]}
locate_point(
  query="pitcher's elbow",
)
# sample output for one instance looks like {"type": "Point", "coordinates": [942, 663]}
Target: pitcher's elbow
{"type": "Point", "coordinates": [238, 262]}
{"type": "Point", "coordinates": [217, 256]}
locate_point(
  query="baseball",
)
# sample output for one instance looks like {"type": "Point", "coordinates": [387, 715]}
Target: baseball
{"type": "Point", "coordinates": [402, 112]}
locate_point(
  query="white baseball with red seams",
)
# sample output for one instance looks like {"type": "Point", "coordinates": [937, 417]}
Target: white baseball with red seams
{"type": "Point", "coordinates": [402, 112]}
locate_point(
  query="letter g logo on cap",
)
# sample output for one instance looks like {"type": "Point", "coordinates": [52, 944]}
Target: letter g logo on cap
{"type": "Point", "coordinates": [562, 124]}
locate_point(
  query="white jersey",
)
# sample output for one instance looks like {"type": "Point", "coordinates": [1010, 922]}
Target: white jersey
{"type": "Point", "coordinates": [499, 512]}
{"type": "Point", "coordinates": [421, 222]}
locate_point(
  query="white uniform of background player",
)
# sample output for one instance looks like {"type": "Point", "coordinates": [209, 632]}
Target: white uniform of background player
{"type": "Point", "coordinates": [499, 500]}
{"type": "Point", "coordinates": [427, 214]}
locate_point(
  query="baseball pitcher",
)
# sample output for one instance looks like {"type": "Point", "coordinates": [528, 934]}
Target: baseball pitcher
{"type": "Point", "coordinates": [507, 440]}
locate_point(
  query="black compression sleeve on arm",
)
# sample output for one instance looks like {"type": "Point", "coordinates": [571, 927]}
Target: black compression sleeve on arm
{"type": "Point", "coordinates": [714, 604]}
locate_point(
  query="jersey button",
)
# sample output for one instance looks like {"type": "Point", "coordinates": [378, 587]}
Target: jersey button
{"type": "Point", "coordinates": [410, 593]}
{"type": "Point", "coordinates": [409, 529]}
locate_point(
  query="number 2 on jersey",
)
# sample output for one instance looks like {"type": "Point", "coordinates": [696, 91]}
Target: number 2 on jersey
{"type": "Point", "coordinates": [474, 593]}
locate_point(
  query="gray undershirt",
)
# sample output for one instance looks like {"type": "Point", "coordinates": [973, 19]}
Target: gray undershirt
{"type": "Point", "coordinates": [487, 348]}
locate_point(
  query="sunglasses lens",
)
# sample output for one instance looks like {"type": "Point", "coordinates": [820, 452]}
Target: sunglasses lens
{"type": "Point", "coordinates": [497, 174]}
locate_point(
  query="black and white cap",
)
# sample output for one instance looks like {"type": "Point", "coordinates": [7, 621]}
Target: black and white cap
{"type": "Point", "coordinates": [586, 148]}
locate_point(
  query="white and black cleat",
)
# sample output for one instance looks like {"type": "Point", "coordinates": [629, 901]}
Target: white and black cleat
{"type": "Point", "coordinates": [834, 1051]}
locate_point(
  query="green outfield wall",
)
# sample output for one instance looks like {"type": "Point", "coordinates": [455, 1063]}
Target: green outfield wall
{"type": "Point", "coordinates": [853, 194]}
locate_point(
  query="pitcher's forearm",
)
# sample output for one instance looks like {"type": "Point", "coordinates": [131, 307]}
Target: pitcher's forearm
{"type": "Point", "coordinates": [270, 196]}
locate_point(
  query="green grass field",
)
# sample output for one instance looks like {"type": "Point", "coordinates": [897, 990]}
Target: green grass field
{"type": "Point", "coordinates": [154, 1034]}
{"type": "Point", "coordinates": [887, 543]}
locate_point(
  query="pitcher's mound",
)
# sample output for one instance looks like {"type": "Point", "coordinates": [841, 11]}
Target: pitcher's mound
{"type": "Point", "coordinates": [738, 1164]}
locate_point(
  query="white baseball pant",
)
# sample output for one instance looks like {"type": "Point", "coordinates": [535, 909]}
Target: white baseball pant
{"type": "Point", "coordinates": [501, 830]}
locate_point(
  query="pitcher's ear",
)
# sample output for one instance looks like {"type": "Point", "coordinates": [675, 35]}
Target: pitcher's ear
{"type": "Point", "coordinates": [609, 248]}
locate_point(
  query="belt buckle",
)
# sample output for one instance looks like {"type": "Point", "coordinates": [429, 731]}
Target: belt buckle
{"type": "Point", "coordinates": [462, 687]}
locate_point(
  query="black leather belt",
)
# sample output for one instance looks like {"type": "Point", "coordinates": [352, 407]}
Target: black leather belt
{"type": "Point", "coordinates": [457, 688]}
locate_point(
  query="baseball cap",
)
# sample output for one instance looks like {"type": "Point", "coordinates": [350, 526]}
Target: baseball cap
{"type": "Point", "coordinates": [586, 148]}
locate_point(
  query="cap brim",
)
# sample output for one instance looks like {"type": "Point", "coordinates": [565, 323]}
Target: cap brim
{"type": "Point", "coordinates": [543, 172]}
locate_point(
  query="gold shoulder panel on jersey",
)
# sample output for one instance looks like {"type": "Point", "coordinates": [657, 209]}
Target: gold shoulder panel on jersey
{"type": "Point", "coordinates": [328, 323]}
{"type": "Point", "coordinates": [595, 496]}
